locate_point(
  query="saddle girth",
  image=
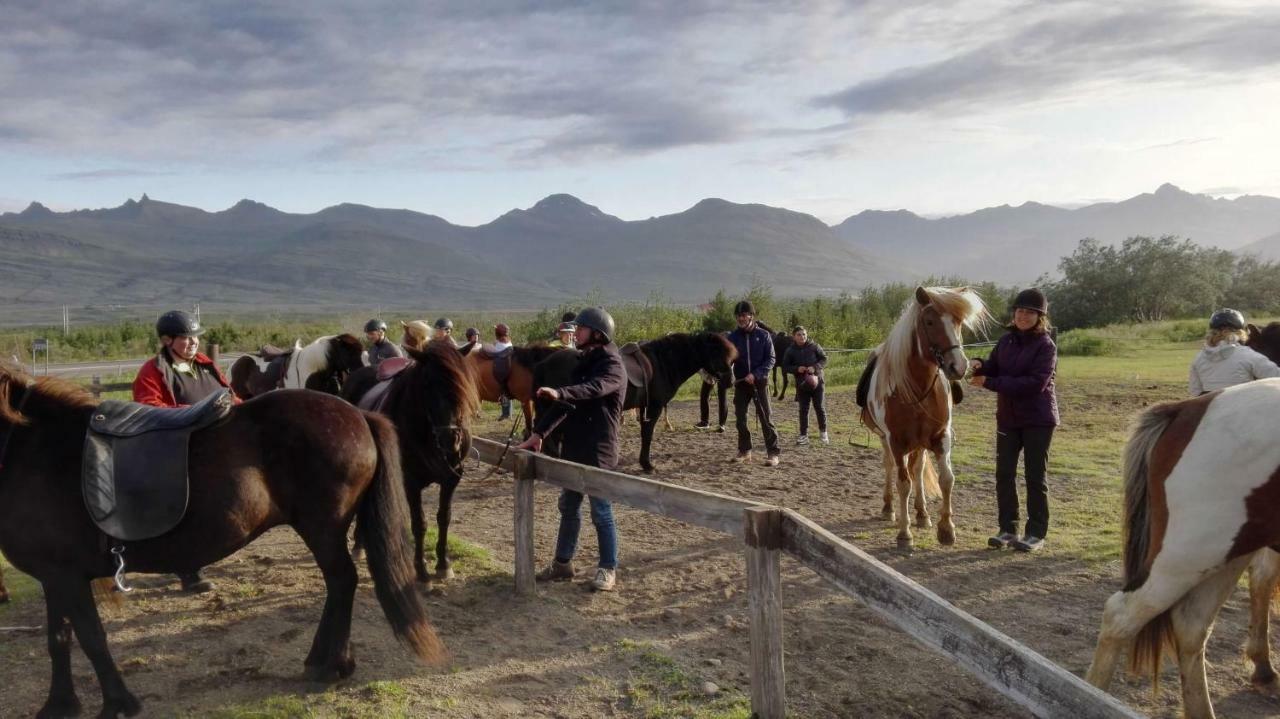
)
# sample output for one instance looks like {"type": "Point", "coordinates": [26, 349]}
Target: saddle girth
{"type": "Point", "coordinates": [134, 471]}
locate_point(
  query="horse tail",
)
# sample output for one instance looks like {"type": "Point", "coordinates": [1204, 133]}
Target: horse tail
{"type": "Point", "coordinates": [1151, 640]}
{"type": "Point", "coordinates": [381, 525]}
{"type": "Point", "coordinates": [931, 488]}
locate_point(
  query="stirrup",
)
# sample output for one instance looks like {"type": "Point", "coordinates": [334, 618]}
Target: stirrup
{"type": "Point", "coordinates": [118, 550]}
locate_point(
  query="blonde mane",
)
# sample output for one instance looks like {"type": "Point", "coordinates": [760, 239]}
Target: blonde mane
{"type": "Point", "coordinates": [961, 304]}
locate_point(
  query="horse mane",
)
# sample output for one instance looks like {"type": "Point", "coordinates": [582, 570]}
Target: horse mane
{"type": "Point", "coordinates": [444, 363]}
{"type": "Point", "coordinates": [700, 343]}
{"type": "Point", "coordinates": [530, 355]}
{"type": "Point", "coordinates": [894, 355]}
{"type": "Point", "coordinates": [55, 389]}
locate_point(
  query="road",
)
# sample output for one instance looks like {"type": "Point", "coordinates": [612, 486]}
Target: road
{"type": "Point", "coordinates": [113, 370]}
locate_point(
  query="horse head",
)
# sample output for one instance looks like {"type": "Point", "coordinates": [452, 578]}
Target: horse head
{"type": "Point", "coordinates": [416, 334]}
{"type": "Point", "coordinates": [719, 356]}
{"type": "Point", "coordinates": [439, 399]}
{"type": "Point", "coordinates": [1266, 340]}
{"type": "Point", "coordinates": [943, 314]}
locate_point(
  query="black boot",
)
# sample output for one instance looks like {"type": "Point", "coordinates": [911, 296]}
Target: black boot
{"type": "Point", "coordinates": [193, 583]}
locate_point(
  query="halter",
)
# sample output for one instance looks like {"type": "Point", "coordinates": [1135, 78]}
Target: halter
{"type": "Point", "coordinates": [8, 432]}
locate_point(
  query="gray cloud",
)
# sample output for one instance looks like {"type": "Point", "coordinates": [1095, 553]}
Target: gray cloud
{"type": "Point", "coordinates": [1077, 46]}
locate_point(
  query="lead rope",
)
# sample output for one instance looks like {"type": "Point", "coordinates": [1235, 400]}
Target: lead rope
{"type": "Point", "coordinates": [515, 423]}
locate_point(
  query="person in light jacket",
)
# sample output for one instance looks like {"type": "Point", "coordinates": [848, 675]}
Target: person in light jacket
{"type": "Point", "coordinates": [1225, 361]}
{"type": "Point", "coordinates": [1021, 370]}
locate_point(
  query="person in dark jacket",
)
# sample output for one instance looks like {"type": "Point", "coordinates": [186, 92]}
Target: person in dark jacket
{"type": "Point", "coordinates": [380, 348]}
{"type": "Point", "coordinates": [805, 360]}
{"type": "Point", "coordinates": [179, 375]}
{"type": "Point", "coordinates": [1020, 370]}
{"type": "Point", "coordinates": [589, 435]}
{"type": "Point", "coordinates": [751, 380]}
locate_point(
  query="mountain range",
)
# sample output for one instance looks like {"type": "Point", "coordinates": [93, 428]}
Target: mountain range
{"type": "Point", "coordinates": [254, 256]}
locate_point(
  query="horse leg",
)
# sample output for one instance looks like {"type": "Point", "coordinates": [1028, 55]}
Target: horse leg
{"type": "Point", "coordinates": [526, 406]}
{"type": "Point", "coordinates": [418, 525]}
{"type": "Point", "coordinates": [83, 612]}
{"type": "Point", "coordinates": [1192, 620]}
{"type": "Point", "coordinates": [946, 478]}
{"type": "Point", "coordinates": [1264, 570]}
{"type": "Point", "coordinates": [890, 472]}
{"type": "Point", "coordinates": [330, 658]}
{"type": "Point", "coordinates": [904, 499]}
{"type": "Point", "coordinates": [916, 464]}
{"type": "Point", "coordinates": [62, 700]}
{"type": "Point", "coordinates": [666, 419]}
{"type": "Point", "coordinates": [444, 512]}
{"type": "Point", "coordinates": [646, 441]}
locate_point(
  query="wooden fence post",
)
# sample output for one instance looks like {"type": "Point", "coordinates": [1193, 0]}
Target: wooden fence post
{"type": "Point", "coordinates": [96, 386]}
{"type": "Point", "coordinates": [763, 537]}
{"type": "Point", "coordinates": [525, 478]}
{"type": "Point", "coordinates": [215, 351]}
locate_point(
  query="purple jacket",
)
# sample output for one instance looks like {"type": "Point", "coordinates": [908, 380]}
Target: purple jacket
{"type": "Point", "coordinates": [755, 353]}
{"type": "Point", "coordinates": [1020, 371]}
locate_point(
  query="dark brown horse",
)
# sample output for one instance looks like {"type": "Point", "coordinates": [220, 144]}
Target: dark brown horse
{"type": "Point", "coordinates": [675, 358]}
{"type": "Point", "coordinates": [322, 365]}
{"type": "Point", "coordinates": [435, 435]}
{"type": "Point", "coordinates": [305, 459]}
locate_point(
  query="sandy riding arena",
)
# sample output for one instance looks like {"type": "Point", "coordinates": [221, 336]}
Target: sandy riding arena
{"type": "Point", "coordinates": [673, 640]}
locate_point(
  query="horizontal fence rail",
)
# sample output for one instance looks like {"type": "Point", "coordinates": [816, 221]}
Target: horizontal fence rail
{"type": "Point", "coordinates": [1004, 664]}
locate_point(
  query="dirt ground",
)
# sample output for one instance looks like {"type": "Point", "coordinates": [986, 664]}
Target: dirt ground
{"type": "Point", "coordinates": [676, 625]}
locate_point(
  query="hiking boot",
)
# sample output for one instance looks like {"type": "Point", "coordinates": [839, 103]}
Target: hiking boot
{"type": "Point", "coordinates": [557, 571]}
{"type": "Point", "coordinates": [826, 439]}
{"type": "Point", "coordinates": [771, 461]}
{"type": "Point", "coordinates": [1002, 540]}
{"type": "Point", "coordinates": [605, 580]}
{"type": "Point", "coordinates": [802, 441]}
{"type": "Point", "coordinates": [702, 425]}
{"type": "Point", "coordinates": [743, 457]}
{"type": "Point", "coordinates": [1029, 543]}
{"type": "Point", "coordinates": [193, 583]}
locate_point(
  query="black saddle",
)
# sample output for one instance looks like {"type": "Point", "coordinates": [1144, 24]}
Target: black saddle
{"type": "Point", "coordinates": [639, 373]}
{"type": "Point", "coordinates": [501, 366]}
{"type": "Point", "coordinates": [134, 475]}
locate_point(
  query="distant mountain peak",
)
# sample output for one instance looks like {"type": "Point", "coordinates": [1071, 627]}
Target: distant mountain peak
{"type": "Point", "coordinates": [1169, 189]}
{"type": "Point", "coordinates": [562, 204]}
{"type": "Point", "coordinates": [35, 210]}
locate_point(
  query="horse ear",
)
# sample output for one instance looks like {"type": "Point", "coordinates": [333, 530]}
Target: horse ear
{"type": "Point", "coordinates": [404, 324]}
{"type": "Point", "coordinates": [1253, 331]}
{"type": "Point", "coordinates": [922, 297]}
{"type": "Point", "coordinates": [297, 344]}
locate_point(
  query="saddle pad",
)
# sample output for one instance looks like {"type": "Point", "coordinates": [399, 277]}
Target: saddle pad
{"type": "Point", "coordinates": [134, 470]}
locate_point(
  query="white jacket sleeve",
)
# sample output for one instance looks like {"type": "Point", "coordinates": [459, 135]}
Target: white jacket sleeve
{"type": "Point", "coordinates": [1194, 385]}
{"type": "Point", "coordinates": [1263, 367]}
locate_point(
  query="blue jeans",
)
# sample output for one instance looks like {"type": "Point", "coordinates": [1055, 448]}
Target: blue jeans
{"type": "Point", "coordinates": [571, 523]}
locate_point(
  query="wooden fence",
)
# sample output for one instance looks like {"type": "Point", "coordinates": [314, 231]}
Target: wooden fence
{"type": "Point", "coordinates": [1025, 677]}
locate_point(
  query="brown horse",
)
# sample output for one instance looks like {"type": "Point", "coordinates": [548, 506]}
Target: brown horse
{"type": "Point", "coordinates": [908, 405]}
{"type": "Point", "coordinates": [519, 384]}
{"type": "Point", "coordinates": [322, 365]}
{"type": "Point", "coordinates": [435, 435]}
{"type": "Point", "coordinates": [1202, 498]}
{"type": "Point", "coordinates": [305, 459]}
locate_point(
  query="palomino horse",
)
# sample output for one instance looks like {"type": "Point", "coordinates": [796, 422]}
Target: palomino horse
{"type": "Point", "coordinates": [909, 401]}
{"type": "Point", "coordinates": [1202, 497]}
{"type": "Point", "coordinates": [673, 358]}
{"type": "Point", "coordinates": [416, 334]}
{"type": "Point", "coordinates": [429, 421]}
{"type": "Point", "coordinates": [322, 365]}
{"type": "Point", "coordinates": [518, 384]}
{"type": "Point", "coordinates": [304, 459]}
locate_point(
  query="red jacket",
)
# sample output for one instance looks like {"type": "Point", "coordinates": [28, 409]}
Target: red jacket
{"type": "Point", "coordinates": [154, 383]}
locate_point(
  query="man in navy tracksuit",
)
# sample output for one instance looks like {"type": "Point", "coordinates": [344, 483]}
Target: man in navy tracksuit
{"type": "Point", "coordinates": [750, 382]}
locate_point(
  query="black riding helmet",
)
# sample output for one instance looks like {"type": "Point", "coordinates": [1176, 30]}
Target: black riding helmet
{"type": "Point", "coordinates": [1032, 299]}
{"type": "Point", "coordinates": [375, 326]}
{"type": "Point", "coordinates": [744, 308]}
{"type": "Point", "coordinates": [597, 319]}
{"type": "Point", "coordinates": [444, 323]}
{"type": "Point", "coordinates": [178, 324]}
{"type": "Point", "coordinates": [1226, 318]}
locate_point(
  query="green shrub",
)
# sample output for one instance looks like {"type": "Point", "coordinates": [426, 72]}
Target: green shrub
{"type": "Point", "coordinates": [1078, 343]}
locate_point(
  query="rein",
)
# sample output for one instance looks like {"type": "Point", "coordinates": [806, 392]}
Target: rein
{"type": "Point", "coordinates": [8, 432]}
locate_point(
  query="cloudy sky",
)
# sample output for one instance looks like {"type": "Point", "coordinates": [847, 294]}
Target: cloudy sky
{"type": "Point", "coordinates": [468, 109]}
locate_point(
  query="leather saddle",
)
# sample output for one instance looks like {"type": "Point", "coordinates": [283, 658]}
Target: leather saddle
{"type": "Point", "coordinates": [134, 472]}
{"type": "Point", "coordinates": [501, 366]}
{"type": "Point", "coordinates": [271, 352]}
{"type": "Point", "coordinates": [388, 370]}
{"type": "Point", "coordinates": [639, 372]}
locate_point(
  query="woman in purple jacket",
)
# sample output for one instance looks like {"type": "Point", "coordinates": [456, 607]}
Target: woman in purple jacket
{"type": "Point", "coordinates": [1020, 371]}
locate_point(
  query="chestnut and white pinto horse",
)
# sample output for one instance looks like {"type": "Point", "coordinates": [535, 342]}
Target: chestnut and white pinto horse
{"type": "Point", "coordinates": [1202, 499]}
{"type": "Point", "coordinates": [322, 365]}
{"type": "Point", "coordinates": [909, 402]}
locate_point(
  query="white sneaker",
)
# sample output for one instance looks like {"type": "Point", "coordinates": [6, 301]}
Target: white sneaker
{"type": "Point", "coordinates": [825, 438]}
{"type": "Point", "coordinates": [605, 580]}
{"type": "Point", "coordinates": [802, 440]}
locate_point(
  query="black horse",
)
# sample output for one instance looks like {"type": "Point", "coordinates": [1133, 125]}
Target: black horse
{"type": "Point", "coordinates": [674, 358]}
{"type": "Point", "coordinates": [1266, 340]}
{"type": "Point", "coordinates": [427, 423]}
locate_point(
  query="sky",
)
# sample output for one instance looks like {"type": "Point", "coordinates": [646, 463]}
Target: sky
{"type": "Point", "coordinates": [467, 110]}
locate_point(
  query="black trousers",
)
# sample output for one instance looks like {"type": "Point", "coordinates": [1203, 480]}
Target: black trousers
{"type": "Point", "coordinates": [744, 395]}
{"type": "Point", "coordinates": [704, 402]}
{"type": "Point", "coordinates": [817, 396]}
{"type": "Point", "coordinates": [1033, 444]}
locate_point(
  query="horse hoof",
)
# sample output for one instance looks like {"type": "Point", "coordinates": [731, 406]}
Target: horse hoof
{"type": "Point", "coordinates": [330, 673]}
{"type": "Point", "coordinates": [923, 522]}
{"type": "Point", "coordinates": [887, 513]}
{"type": "Point", "coordinates": [55, 709]}
{"type": "Point", "coordinates": [647, 470]}
{"type": "Point", "coordinates": [946, 535]}
{"type": "Point", "coordinates": [127, 705]}
{"type": "Point", "coordinates": [444, 574]}
{"type": "Point", "coordinates": [1266, 684]}
{"type": "Point", "coordinates": [904, 545]}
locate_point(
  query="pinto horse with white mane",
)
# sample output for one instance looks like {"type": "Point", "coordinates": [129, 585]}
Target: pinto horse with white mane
{"type": "Point", "coordinates": [908, 402]}
{"type": "Point", "coordinates": [1202, 498]}
{"type": "Point", "coordinates": [322, 365]}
